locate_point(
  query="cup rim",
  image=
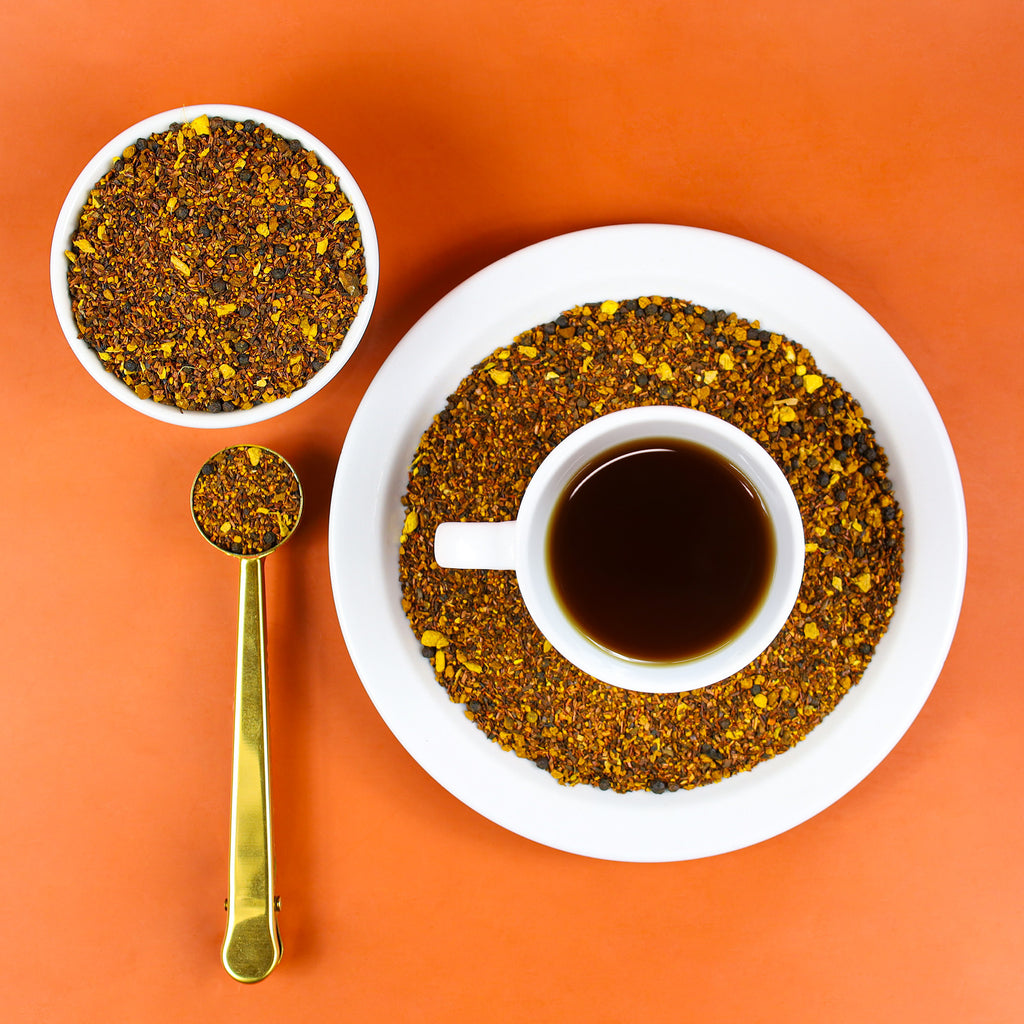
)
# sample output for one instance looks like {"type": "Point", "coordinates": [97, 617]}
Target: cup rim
{"type": "Point", "coordinates": [745, 454]}
{"type": "Point", "coordinates": [75, 200]}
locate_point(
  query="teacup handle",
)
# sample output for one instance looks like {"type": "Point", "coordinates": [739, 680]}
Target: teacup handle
{"type": "Point", "coordinates": [476, 545]}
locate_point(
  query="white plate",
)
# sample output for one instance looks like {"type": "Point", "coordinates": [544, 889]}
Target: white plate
{"type": "Point", "coordinates": [531, 287]}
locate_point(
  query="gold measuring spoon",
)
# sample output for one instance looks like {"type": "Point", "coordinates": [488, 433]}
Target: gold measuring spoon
{"type": "Point", "coordinates": [246, 501]}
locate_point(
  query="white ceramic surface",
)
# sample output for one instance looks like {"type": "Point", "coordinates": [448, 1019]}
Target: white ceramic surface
{"type": "Point", "coordinates": [67, 221]}
{"type": "Point", "coordinates": [527, 552]}
{"type": "Point", "coordinates": [530, 287]}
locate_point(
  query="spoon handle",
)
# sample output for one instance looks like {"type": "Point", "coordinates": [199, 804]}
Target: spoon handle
{"type": "Point", "coordinates": [252, 945]}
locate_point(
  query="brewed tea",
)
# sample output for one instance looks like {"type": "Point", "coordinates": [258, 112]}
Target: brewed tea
{"type": "Point", "coordinates": [660, 550]}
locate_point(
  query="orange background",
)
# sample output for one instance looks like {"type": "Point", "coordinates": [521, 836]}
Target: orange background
{"type": "Point", "coordinates": [879, 142]}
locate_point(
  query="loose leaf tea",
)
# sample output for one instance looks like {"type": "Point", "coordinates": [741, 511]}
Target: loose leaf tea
{"type": "Point", "coordinates": [246, 500]}
{"type": "Point", "coordinates": [216, 266]}
{"type": "Point", "coordinates": [476, 458]}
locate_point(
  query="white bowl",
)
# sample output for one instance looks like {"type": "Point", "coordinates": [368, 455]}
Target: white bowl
{"type": "Point", "coordinates": [67, 222]}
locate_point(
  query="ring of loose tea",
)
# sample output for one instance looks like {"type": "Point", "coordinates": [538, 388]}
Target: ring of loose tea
{"type": "Point", "coordinates": [246, 500]}
{"type": "Point", "coordinates": [514, 406]}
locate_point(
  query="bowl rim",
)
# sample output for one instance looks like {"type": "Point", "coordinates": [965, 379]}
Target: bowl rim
{"type": "Point", "coordinates": [71, 209]}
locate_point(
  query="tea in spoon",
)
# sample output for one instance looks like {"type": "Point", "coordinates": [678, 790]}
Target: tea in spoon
{"type": "Point", "coordinates": [246, 501]}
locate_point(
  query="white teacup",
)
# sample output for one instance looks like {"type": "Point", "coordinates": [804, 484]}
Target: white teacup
{"type": "Point", "coordinates": [522, 545]}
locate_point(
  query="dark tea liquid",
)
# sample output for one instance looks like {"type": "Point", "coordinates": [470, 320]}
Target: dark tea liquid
{"type": "Point", "coordinates": [660, 550]}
